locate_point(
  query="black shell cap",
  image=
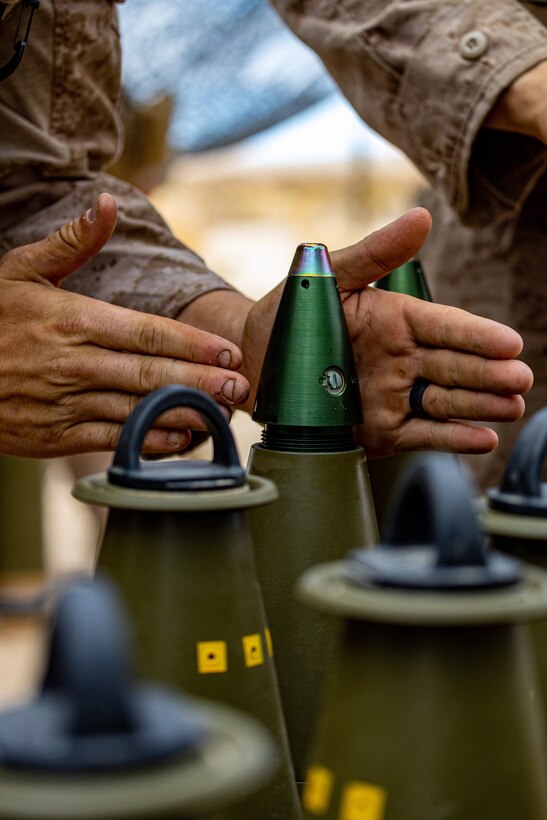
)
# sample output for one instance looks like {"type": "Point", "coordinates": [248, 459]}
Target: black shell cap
{"type": "Point", "coordinates": [433, 540]}
{"type": "Point", "coordinates": [91, 715]}
{"type": "Point", "coordinates": [521, 491]}
{"type": "Point", "coordinates": [224, 472]}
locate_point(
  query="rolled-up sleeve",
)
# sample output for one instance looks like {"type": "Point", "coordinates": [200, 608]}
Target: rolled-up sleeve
{"type": "Point", "coordinates": [425, 75]}
{"type": "Point", "coordinates": [143, 266]}
{"type": "Point", "coordinates": [59, 126]}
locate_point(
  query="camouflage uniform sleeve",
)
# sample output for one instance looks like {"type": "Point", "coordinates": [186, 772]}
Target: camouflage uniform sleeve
{"type": "Point", "coordinates": [143, 266]}
{"type": "Point", "coordinates": [425, 75]}
{"type": "Point", "coordinates": [59, 127]}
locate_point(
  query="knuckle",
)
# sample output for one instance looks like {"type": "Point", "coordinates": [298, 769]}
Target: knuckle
{"type": "Point", "coordinates": [432, 437]}
{"type": "Point", "coordinates": [148, 334]}
{"type": "Point", "coordinates": [372, 259]}
{"type": "Point", "coordinates": [436, 401]}
{"type": "Point", "coordinates": [458, 372]}
{"type": "Point", "coordinates": [111, 433]}
{"type": "Point", "coordinates": [68, 235]}
{"type": "Point", "coordinates": [147, 375]}
{"type": "Point", "coordinates": [191, 344]}
{"type": "Point", "coordinates": [202, 382]}
{"type": "Point", "coordinates": [58, 371]}
{"type": "Point", "coordinates": [69, 323]}
{"type": "Point", "coordinates": [193, 349]}
{"type": "Point", "coordinates": [52, 434]}
{"type": "Point", "coordinates": [66, 369]}
{"type": "Point", "coordinates": [127, 406]}
{"type": "Point", "coordinates": [483, 374]}
{"type": "Point", "coordinates": [448, 410]}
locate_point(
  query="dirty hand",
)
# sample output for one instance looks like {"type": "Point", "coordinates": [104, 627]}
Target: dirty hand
{"type": "Point", "coordinates": [469, 360]}
{"type": "Point", "coordinates": [72, 367]}
{"type": "Point", "coordinates": [397, 339]}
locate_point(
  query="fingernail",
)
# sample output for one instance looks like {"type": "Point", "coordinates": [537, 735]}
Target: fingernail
{"type": "Point", "coordinates": [228, 391]}
{"type": "Point", "coordinates": [224, 358]}
{"type": "Point", "coordinates": [175, 439]}
{"type": "Point", "coordinates": [91, 215]}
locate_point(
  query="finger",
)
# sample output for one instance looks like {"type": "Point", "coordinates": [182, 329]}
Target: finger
{"type": "Point", "coordinates": [118, 328]}
{"type": "Point", "coordinates": [166, 441]}
{"type": "Point", "coordinates": [92, 437]}
{"type": "Point", "coordinates": [131, 373]}
{"type": "Point", "coordinates": [447, 436]}
{"type": "Point", "coordinates": [115, 406]}
{"type": "Point", "coordinates": [382, 251]}
{"type": "Point", "coordinates": [445, 404]}
{"type": "Point", "coordinates": [452, 328]}
{"type": "Point", "coordinates": [453, 369]}
{"type": "Point", "coordinates": [63, 252]}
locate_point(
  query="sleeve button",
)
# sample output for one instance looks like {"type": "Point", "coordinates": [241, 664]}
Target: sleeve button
{"type": "Point", "coordinates": [473, 45]}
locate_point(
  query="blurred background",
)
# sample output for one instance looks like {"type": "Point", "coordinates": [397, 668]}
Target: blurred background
{"type": "Point", "coordinates": [241, 138]}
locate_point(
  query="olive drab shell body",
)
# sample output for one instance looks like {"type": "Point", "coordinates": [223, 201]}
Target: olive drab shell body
{"type": "Point", "coordinates": [183, 560]}
{"type": "Point", "coordinates": [514, 516]}
{"type": "Point", "coordinates": [324, 508]}
{"type": "Point", "coordinates": [432, 707]}
{"type": "Point", "coordinates": [22, 573]}
{"type": "Point", "coordinates": [189, 583]}
{"type": "Point", "coordinates": [97, 744]}
{"type": "Point", "coordinates": [308, 398]}
{"type": "Point", "coordinates": [423, 720]}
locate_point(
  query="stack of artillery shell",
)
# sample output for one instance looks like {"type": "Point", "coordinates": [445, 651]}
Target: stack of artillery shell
{"type": "Point", "coordinates": [94, 744]}
{"type": "Point", "coordinates": [432, 705]}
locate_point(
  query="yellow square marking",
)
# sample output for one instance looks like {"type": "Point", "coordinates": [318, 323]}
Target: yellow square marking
{"type": "Point", "coordinates": [212, 657]}
{"type": "Point", "coordinates": [269, 644]}
{"type": "Point", "coordinates": [317, 789]}
{"type": "Point", "coordinates": [252, 650]}
{"type": "Point", "coordinates": [362, 801]}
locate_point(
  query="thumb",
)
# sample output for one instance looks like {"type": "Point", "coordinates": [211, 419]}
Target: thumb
{"type": "Point", "coordinates": [379, 253]}
{"type": "Point", "coordinates": [63, 252]}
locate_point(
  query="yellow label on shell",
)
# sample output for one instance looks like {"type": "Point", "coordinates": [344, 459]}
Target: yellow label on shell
{"type": "Point", "coordinates": [362, 801]}
{"type": "Point", "coordinates": [212, 657]}
{"type": "Point", "coordinates": [317, 789]}
{"type": "Point", "coordinates": [269, 644]}
{"type": "Point", "coordinates": [252, 650]}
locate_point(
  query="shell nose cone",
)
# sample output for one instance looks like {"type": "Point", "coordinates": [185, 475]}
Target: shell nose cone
{"type": "Point", "coordinates": [311, 259]}
{"type": "Point", "coordinates": [308, 376]}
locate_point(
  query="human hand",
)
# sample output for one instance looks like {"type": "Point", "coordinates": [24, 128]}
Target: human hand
{"type": "Point", "coordinates": [522, 107]}
{"type": "Point", "coordinates": [72, 368]}
{"type": "Point", "coordinates": [397, 339]}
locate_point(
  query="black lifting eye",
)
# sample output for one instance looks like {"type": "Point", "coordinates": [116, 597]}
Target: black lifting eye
{"type": "Point", "coordinates": [28, 7]}
{"type": "Point", "coordinates": [305, 283]}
